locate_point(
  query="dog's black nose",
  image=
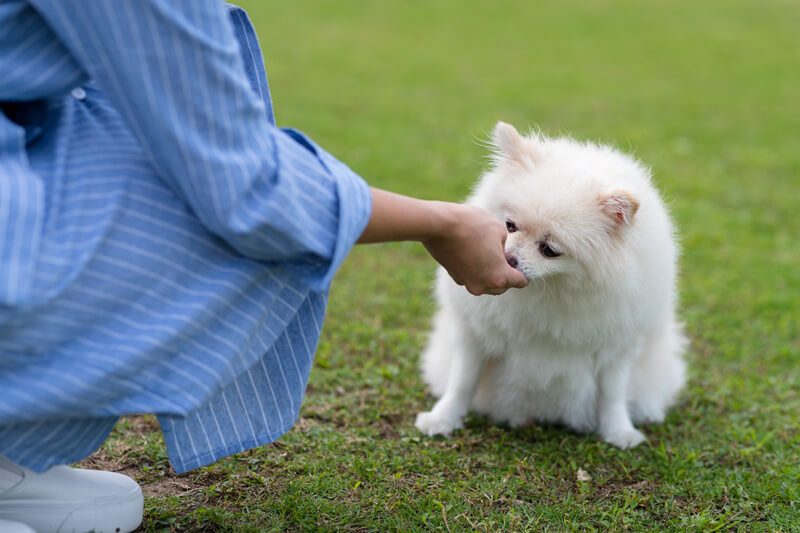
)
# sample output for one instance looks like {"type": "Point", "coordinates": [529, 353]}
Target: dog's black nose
{"type": "Point", "coordinates": [512, 260]}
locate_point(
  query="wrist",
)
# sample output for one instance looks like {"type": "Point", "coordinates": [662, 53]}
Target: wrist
{"type": "Point", "coordinates": [442, 220]}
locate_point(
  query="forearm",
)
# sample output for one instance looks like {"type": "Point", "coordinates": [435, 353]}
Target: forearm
{"type": "Point", "coordinates": [467, 241]}
{"type": "Point", "coordinates": [400, 218]}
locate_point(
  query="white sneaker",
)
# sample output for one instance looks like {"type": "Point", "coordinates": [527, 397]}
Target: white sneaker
{"type": "Point", "coordinates": [14, 527]}
{"type": "Point", "coordinates": [68, 500]}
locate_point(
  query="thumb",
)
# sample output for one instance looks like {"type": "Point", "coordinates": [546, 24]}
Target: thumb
{"type": "Point", "coordinates": [516, 278]}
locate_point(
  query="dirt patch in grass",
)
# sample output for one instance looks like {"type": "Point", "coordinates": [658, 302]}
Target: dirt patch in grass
{"type": "Point", "coordinates": [124, 454]}
{"type": "Point", "coordinates": [171, 486]}
{"type": "Point", "coordinates": [122, 451]}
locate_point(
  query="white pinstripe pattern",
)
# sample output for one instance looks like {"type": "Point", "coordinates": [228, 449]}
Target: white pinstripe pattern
{"type": "Point", "coordinates": [163, 246]}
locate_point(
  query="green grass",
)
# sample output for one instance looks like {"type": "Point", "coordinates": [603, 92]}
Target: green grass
{"type": "Point", "coordinates": [707, 93]}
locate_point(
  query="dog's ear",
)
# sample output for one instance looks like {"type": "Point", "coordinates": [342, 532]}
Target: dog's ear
{"type": "Point", "coordinates": [508, 140]}
{"type": "Point", "coordinates": [511, 147]}
{"type": "Point", "coordinates": [619, 206]}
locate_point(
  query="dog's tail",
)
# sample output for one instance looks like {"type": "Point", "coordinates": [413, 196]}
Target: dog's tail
{"type": "Point", "coordinates": [436, 359]}
{"type": "Point", "coordinates": [659, 374]}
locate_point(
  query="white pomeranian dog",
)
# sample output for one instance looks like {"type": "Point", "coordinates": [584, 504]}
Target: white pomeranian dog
{"type": "Point", "coordinates": [592, 342]}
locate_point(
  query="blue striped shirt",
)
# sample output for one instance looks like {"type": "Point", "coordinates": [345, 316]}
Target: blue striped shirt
{"type": "Point", "coordinates": [164, 247]}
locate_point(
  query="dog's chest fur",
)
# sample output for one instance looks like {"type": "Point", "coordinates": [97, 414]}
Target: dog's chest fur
{"type": "Point", "coordinates": [544, 350]}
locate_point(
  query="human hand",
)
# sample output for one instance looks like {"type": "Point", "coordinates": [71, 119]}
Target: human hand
{"type": "Point", "coordinates": [467, 241]}
{"type": "Point", "coordinates": [471, 248]}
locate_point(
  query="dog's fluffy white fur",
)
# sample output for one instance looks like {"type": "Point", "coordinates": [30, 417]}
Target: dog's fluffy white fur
{"type": "Point", "coordinates": [593, 341]}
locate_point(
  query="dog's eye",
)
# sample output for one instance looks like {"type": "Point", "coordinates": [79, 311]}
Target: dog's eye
{"type": "Point", "coordinates": [546, 251]}
{"type": "Point", "coordinates": [510, 226]}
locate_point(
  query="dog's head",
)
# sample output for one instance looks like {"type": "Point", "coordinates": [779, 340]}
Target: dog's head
{"type": "Point", "coordinates": [568, 206]}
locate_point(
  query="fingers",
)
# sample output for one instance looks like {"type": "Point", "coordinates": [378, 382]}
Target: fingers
{"type": "Point", "coordinates": [474, 256]}
{"type": "Point", "coordinates": [513, 279]}
{"type": "Point", "coordinates": [478, 290]}
{"type": "Point", "coordinates": [517, 279]}
{"type": "Point", "coordinates": [495, 292]}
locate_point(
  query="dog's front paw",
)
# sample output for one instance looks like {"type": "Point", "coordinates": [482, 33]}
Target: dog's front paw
{"type": "Point", "coordinates": [432, 424]}
{"type": "Point", "coordinates": [625, 439]}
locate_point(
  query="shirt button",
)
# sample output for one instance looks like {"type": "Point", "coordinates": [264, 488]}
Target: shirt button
{"type": "Point", "coordinates": [78, 93]}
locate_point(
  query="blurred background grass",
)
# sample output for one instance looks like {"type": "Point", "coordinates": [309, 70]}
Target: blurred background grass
{"type": "Point", "coordinates": [706, 93]}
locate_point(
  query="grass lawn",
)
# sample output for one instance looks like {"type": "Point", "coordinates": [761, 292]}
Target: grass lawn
{"type": "Point", "coordinates": [707, 93]}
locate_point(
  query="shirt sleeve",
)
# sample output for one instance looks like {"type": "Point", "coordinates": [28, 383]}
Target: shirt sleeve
{"type": "Point", "coordinates": [173, 69]}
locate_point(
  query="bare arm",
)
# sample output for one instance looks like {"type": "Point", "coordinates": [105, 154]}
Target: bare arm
{"type": "Point", "coordinates": [465, 240]}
